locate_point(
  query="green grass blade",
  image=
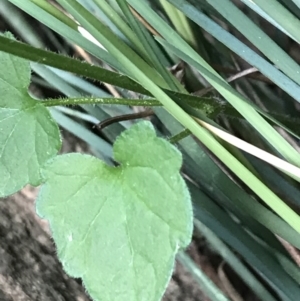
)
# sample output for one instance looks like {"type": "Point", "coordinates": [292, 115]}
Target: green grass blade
{"type": "Point", "coordinates": [180, 22]}
{"type": "Point", "coordinates": [206, 285]}
{"type": "Point", "coordinates": [280, 14]}
{"type": "Point", "coordinates": [202, 169]}
{"type": "Point", "coordinates": [128, 30]}
{"type": "Point", "coordinates": [247, 110]}
{"type": "Point", "coordinates": [25, 29]}
{"type": "Point", "coordinates": [257, 256]}
{"type": "Point", "coordinates": [52, 10]}
{"type": "Point", "coordinates": [258, 37]}
{"type": "Point", "coordinates": [237, 101]}
{"type": "Point", "coordinates": [245, 52]}
{"type": "Point", "coordinates": [264, 15]}
{"type": "Point", "coordinates": [68, 64]}
{"type": "Point", "coordinates": [121, 25]}
{"type": "Point", "coordinates": [66, 31]}
{"type": "Point", "coordinates": [153, 52]}
{"type": "Point", "coordinates": [297, 2]}
{"type": "Point", "coordinates": [277, 181]}
{"type": "Point", "coordinates": [102, 34]}
{"type": "Point", "coordinates": [237, 265]}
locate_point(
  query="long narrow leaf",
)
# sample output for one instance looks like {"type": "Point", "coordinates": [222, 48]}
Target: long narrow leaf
{"type": "Point", "coordinates": [237, 265]}
{"type": "Point", "coordinates": [258, 257]}
{"type": "Point", "coordinates": [203, 171]}
{"type": "Point", "coordinates": [66, 31]}
{"type": "Point", "coordinates": [245, 52]}
{"type": "Point", "coordinates": [271, 135]}
{"type": "Point", "coordinates": [101, 33]}
{"type": "Point", "coordinates": [280, 14]}
{"type": "Point", "coordinates": [267, 195]}
{"type": "Point", "coordinates": [206, 285]}
{"type": "Point", "coordinates": [258, 37]}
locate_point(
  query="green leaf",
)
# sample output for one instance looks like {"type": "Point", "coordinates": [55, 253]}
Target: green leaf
{"type": "Point", "coordinates": [67, 32]}
{"type": "Point", "coordinates": [107, 38]}
{"type": "Point", "coordinates": [119, 228]}
{"type": "Point", "coordinates": [279, 13]}
{"type": "Point", "coordinates": [69, 64]}
{"type": "Point", "coordinates": [28, 134]}
{"type": "Point", "coordinates": [259, 38]}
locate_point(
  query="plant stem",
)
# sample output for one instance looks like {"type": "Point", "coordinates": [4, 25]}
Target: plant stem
{"type": "Point", "coordinates": [181, 135]}
{"type": "Point", "coordinates": [124, 117]}
{"type": "Point", "coordinates": [210, 106]}
{"type": "Point", "coordinates": [103, 101]}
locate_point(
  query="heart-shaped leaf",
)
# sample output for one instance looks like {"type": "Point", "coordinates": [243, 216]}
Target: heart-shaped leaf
{"type": "Point", "coordinates": [119, 228]}
{"type": "Point", "coordinates": [28, 134]}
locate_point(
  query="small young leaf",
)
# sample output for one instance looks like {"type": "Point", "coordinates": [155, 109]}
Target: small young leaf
{"type": "Point", "coordinates": [119, 228]}
{"type": "Point", "coordinates": [28, 134]}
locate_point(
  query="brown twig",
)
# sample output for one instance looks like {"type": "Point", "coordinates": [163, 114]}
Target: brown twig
{"type": "Point", "coordinates": [144, 22]}
{"type": "Point", "coordinates": [229, 79]}
{"type": "Point", "coordinates": [124, 117]}
{"type": "Point", "coordinates": [228, 287]}
{"type": "Point", "coordinates": [294, 253]}
{"type": "Point", "coordinates": [227, 70]}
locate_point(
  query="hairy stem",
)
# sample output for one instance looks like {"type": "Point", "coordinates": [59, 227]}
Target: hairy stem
{"type": "Point", "coordinates": [103, 101]}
